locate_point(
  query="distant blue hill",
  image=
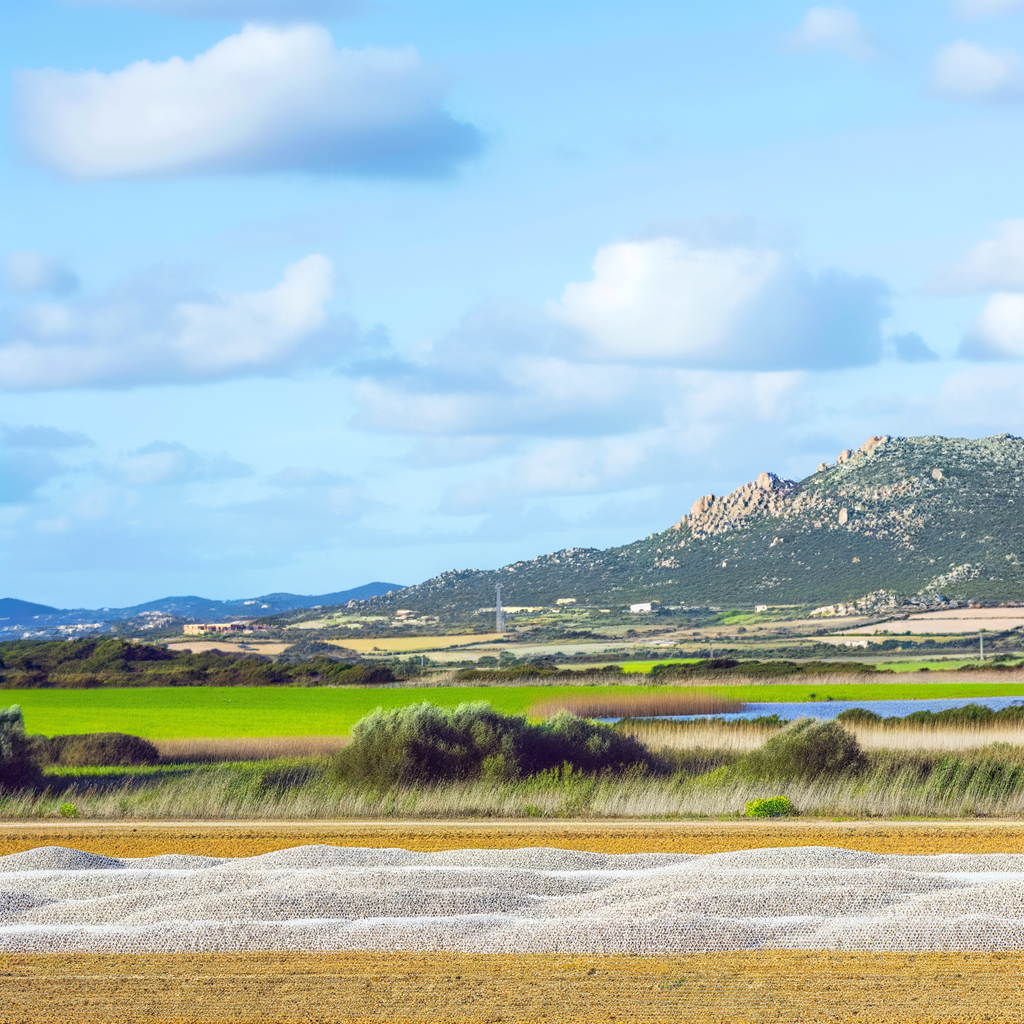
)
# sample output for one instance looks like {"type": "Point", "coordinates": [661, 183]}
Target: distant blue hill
{"type": "Point", "coordinates": [21, 617]}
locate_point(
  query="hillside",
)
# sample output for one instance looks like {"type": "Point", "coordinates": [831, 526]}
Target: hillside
{"type": "Point", "coordinates": [897, 520]}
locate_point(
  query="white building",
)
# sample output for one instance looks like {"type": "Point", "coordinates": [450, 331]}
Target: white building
{"type": "Point", "coordinates": [635, 608]}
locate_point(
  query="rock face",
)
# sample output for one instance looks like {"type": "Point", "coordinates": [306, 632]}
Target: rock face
{"type": "Point", "coordinates": [710, 515]}
{"type": "Point", "coordinates": [910, 518]}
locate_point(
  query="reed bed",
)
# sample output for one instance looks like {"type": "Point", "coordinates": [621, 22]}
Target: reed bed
{"type": "Point", "coordinates": [639, 704]}
{"type": "Point", "coordinates": [735, 737]}
{"type": "Point", "coordinates": [247, 748]}
{"type": "Point", "coordinates": [739, 736]}
{"type": "Point", "coordinates": [896, 785]}
{"type": "Point", "coordinates": [946, 738]}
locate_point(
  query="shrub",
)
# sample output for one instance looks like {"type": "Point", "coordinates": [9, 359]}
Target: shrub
{"type": "Point", "coordinates": [423, 743]}
{"type": "Point", "coordinates": [770, 807]}
{"type": "Point", "coordinates": [98, 749]}
{"type": "Point", "coordinates": [808, 749]}
{"type": "Point", "coordinates": [68, 810]}
{"type": "Point", "coordinates": [19, 767]}
{"type": "Point", "coordinates": [858, 716]}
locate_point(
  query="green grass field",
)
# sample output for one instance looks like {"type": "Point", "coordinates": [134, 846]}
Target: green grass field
{"type": "Point", "coordinates": [187, 712]}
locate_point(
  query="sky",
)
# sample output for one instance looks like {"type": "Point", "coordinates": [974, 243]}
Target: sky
{"type": "Point", "coordinates": [300, 294]}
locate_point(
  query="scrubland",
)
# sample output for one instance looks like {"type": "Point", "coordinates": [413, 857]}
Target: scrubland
{"type": "Point", "coordinates": [703, 769]}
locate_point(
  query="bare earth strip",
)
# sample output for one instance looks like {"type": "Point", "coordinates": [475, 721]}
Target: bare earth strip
{"type": "Point", "coordinates": [379, 987]}
{"type": "Point", "coordinates": [246, 839]}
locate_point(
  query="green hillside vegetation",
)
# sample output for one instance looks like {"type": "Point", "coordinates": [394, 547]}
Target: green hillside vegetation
{"type": "Point", "coordinates": [901, 519]}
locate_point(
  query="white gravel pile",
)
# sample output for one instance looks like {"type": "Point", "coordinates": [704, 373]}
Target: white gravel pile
{"type": "Point", "coordinates": [510, 901]}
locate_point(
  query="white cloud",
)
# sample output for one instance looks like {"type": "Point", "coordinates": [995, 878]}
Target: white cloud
{"type": "Point", "coordinates": [969, 71]}
{"type": "Point", "coordinates": [150, 333]}
{"type": "Point", "coordinates": [998, 332]}
{"type": "Point", "coordinates": [995, 264]}
{"type": "Point", "coordinates": [667, 301]}
{"type": "Point", "coordinates": [27, 272]}
{"type": "Point", "coordinates": [911, 348]}
{"type": "Point", "coordinates": [265, 99]}
{"type": "Point", "coordinates": [835, 28]}
{"type": "Point", "coordinates": [270, 10]}
{"type": "Point", "coordinates": [987, 8]}
{"type": "Point", "coordinates": [170, 462]}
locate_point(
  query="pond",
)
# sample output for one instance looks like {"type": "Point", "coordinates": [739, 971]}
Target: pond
{"type": "Point", "coordinates": [831, 708]}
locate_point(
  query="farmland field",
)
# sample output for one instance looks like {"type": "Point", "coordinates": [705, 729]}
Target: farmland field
{"type": "Point", "coordinates": [187, 712]}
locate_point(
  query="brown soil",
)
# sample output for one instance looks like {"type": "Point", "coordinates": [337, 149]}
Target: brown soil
{"type": "Point", "coordinates": [244, 839]}
{"type": "Point", "coordinates": [380, 987]}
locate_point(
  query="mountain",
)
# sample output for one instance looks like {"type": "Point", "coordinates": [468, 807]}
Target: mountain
{"type": "Point", "coordinates": [899, 520]}
{"type": "Point", "coordinates": [22, 617]}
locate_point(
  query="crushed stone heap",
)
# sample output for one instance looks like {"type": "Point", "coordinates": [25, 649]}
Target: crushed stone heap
{"type": "Point", "coordinates": [326, 898]}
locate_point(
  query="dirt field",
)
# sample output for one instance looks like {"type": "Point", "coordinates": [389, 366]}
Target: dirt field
{"type": "Point", "coordinates": [244, 839]}
{"type": "Point", "coordinates": [372, 987]}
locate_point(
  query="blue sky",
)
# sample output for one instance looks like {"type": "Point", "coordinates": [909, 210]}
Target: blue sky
{"type": "Point", "coordinates": [297, 295]}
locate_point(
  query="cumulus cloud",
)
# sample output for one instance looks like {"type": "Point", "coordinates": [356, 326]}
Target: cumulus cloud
{"type": "Point", "coordinates": [157, 331]}
{"type": "Point", "coordinates": [969, 71]}
{"type": "Point", "coordinates": [29, 459]}
{"type": "Point", "coordinates": [170, 462]}
{"type": "Point", "coordinates": [911, 348]}
{"type": "Point", "coordinates": [27, 272]}
{"type": "Point", "coordinates": [667, 301]}
{"type": "Point", "coordinates": [835, 28]}
{"type": "Point", "coordinates": [994, 264]}
{"type": "Point", "coordinates": [987, 8]}
{"type": "Point", "coordinates": [265, 10]}
{"type": "Point", "coordinates": [266, 99]}
{"type": "Point", "coordinates": [998, 332]}
{"type": "Point", "coordinates": [44, 438]}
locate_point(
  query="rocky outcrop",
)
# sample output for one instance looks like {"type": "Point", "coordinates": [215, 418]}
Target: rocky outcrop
{"type": "Point", "coordinates": [767, 495]}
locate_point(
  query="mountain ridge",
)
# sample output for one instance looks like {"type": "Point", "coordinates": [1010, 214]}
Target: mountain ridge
{"type": "Point", "coordinates": [19, 616]}
{"type": "Point", "coordinates": [898, 520]}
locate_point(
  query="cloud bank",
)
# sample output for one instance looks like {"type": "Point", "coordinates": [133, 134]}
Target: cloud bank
{"type": "Point", "coordinates": [968, 71]}
{"type": "Point", "coordinates": [662, 322]}
{"type": "Point", "coordinates": [987, 8]}
{"type": "Point", "coordinates": [266, 99]}
{"type": "Point", "coordinates": [27, 272]}
{"type": "Point", "coordinates": [149, 332]}
{"type": "Point", "coordinates": [835, 28]}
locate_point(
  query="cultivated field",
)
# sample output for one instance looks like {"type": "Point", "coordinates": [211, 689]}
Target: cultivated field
{"type": "Point", "coordinates": [186, 712]}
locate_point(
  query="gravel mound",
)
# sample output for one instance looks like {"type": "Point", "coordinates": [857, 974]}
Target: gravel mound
{"type": "Point", "coordinates": [325, 898]}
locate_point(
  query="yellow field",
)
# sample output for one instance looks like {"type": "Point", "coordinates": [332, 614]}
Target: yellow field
{"type": "Point", "coordinates": [390, 988]}
{"type": "Point", "coordinates": [407, 644]}
{"type": "Point", "coordinates": [248, 838]}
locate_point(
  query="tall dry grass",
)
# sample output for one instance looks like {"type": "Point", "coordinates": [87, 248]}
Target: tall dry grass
{"type": "Point", "coordinates": [637, 705]}
{"type": "Point", "coordinates": [734, 737]}
{"type": "Point", "coordinates": [946, 738]}
{"type": "Point", "coordinates": [247, 748]}
{"type": "Point", "coordinates": [221, 794]}
{"type": "Point", "coordinates": [740, 737]}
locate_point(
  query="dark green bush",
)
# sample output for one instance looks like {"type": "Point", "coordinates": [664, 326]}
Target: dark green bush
{"type": "Point", "coordinates": [19, 767]}
{"type": "Point", "coordinates": [424, 743]}
{"type": "Point", "coordinates": [98, 749]}
{"type": "Point", "coordinates": [808, 749]}
{"type": "Point", "coordinates": [859, 716]}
